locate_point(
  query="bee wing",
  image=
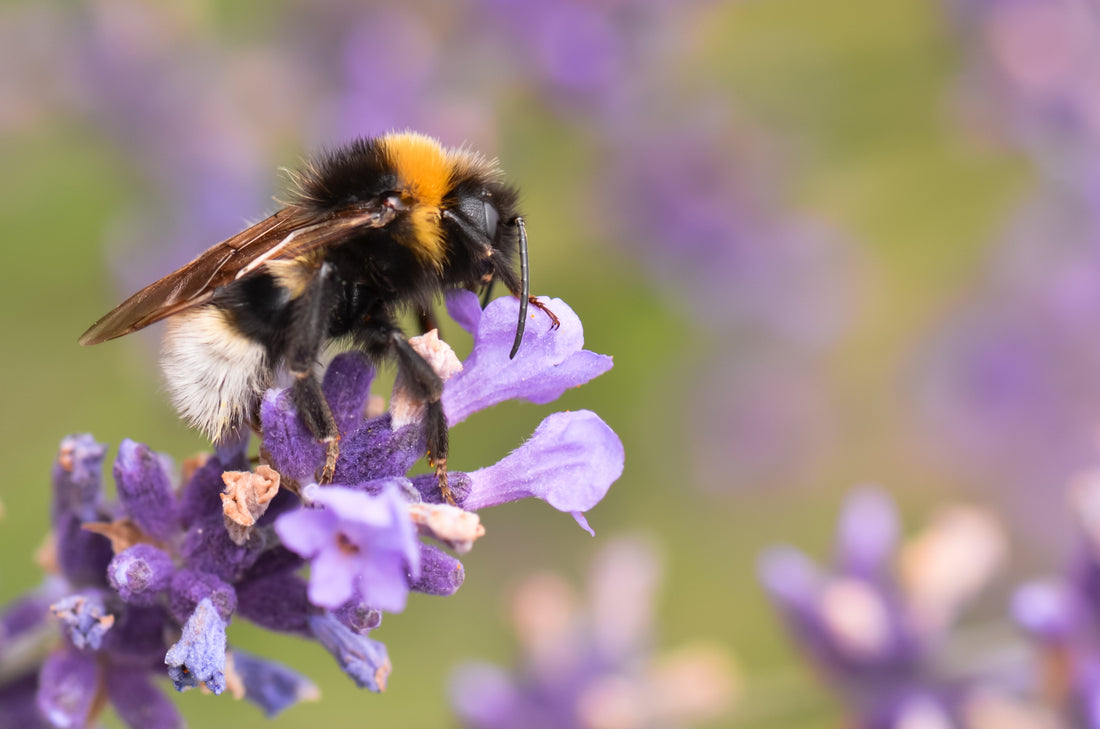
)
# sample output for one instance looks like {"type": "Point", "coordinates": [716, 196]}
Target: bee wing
{"type": "Point", "coordinates": [289, 233]}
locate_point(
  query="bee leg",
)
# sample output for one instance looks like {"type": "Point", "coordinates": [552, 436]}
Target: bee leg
{"type": "Point", "coordinates": [555, 322]}
{"type": "Point", "coordinates": [381, 338]}
{"type": "Point", "coordinates": [427, 321]}
{"type": "Point", "coordinates": [305, 336]}
{"type": "Point", "coordinates": [314, 411]}
{"type": "Point", "coordinates": [487, 292]}
{"type": "Point", "coordinates": [426, 385]}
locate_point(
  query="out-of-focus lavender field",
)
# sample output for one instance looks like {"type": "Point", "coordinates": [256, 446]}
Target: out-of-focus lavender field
{"type": "Point", "coordinates": [846, 257]}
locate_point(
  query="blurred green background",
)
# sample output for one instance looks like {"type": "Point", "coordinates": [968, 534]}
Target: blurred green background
{"type": "Point", "coordinates": [856, 98]}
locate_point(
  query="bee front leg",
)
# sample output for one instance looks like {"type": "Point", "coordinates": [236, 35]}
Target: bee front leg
{"type": "Point", "coordinates": [381, 339]}
{"type": "Point", "coordinates": [309, 323]}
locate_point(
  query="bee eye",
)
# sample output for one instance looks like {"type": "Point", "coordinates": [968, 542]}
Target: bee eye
{"type": "Point", "coordinates": [492, 217]}
{"type": "Point", "coordinates": [481, 214]}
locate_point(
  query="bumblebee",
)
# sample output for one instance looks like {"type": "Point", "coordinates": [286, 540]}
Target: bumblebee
{"type": "Point", "coordinates": [372, 229]}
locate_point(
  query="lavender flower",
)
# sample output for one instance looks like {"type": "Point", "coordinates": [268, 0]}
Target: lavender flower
{"type": "Point", "coordinates": [229, 544]}
{"type": "Point", "coordinates": [880, 637]}
{"type": "Point", "coordinates": [1007, 392]}
{"type": "Point", "coordinates": [1060, 616]}
{"type": "Point", "coordinates": [356, 543]}
{"type": "Point", "coordinates": [199, 656]}
{"type": "Point", "coordinates": [587, 667]}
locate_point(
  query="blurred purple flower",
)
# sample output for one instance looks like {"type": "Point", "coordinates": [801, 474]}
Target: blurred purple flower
{"type": "Point", "coordinates": [702, 220]}
{"type": "Point", "coordinates": [1060, 615]}
{"type": "Point", "coordinates": [591, 666]}
{"type": "Point", "coordinates": [1007, 386]}
{"type": "Point", "coordinates": [1032, 70]}
{"type": "Point", "coordinates": [766, 413]}
{"type": "Point", "coordinates": [880, 634]}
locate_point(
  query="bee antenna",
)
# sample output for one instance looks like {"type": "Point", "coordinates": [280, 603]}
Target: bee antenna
{"type": "Point", "coordinates": [525, 286]}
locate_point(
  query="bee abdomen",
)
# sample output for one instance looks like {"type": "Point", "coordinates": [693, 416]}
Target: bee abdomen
{"type": "Point", "coordinates": [214, 374]}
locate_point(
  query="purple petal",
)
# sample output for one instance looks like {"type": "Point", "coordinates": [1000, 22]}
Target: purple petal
{"type": "Point", "coordinates": [139, 703]}
{"type": "Point", "coordinates": [867, 533]}
{"type": "Point", "coordinates": [145, 490]}
{"type": "Point", "coordinates": [272, 686]}
{"type": "Point", "coordinates": [199, 656]}
{"type": "Point", "coordinates": [440, 573]}
{"type": "Point", "coordinates": [140, 574]}
{"type": "Point", "coordinates": [332, 578]}
{"type": "Point", "coordinates": [1048, 611]}
{"type": "Point", "coordinates": [138, 637]}
{"type": "Point", "coordinates": [18, 704]}
{"type": "Point", "coordinates": [485, 697]}
{"type": "Point", "coordinates": [200, 498]}
{"type": "Point", "coordinates": [191, 587]}
{"type": "Point", "coordinates": [357, 539]}
{"type": "Point", "coordinates": [84, 619]}
{"type": "Point", "coordinates": [347, 387]}
{"type": "Point", "coordinates": [295, 453]}
{"type": "Point", "coordinates": [67, 686]}
{"type": "Point", "coordinates": [306, 531]}
{"type": "Point", "coordinates": [209, 547]}
{"type": "Point", "coordinates": [357, 615]}
{"type": "Point", "coordinates": [363, 659]}
{"type": "Point", "coordinates": [790, 579]}
{"type": "Point", "coordinates": [548, 363]}
{"type": "Point", "coordinates": [377, 451]}
{"type": "Point", "coordinates": [77, 483]}
{"type": "Point", "coordinates": [82, 555]}
{"type": "Point", "coordinates": [276, 602]}
{"type": "Point", "coordinates": [30, 611]}
{"type": "Point", "coordinates": [464, 307]}
{"type": "Point", "coordinates": [570, 462]}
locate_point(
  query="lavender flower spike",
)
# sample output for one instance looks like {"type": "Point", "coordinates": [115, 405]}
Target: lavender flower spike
{"type": "Point", "coordinates": [569, 462]}
{"type": "Point", "coordinates": [548, 363]}
{"type": "Point", "coordinates": [355, 541]}
{"type": "Point", "coordinates": [199, 656]}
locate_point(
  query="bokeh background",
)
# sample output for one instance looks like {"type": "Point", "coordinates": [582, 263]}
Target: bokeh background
{"type": "Point", "coordinates": [827, 243]}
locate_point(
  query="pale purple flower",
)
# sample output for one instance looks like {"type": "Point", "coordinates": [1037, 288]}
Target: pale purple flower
{"type": "Point", "coordinates": [570, 462]}
{"type": "Point", "coordinates": [355, 542]}
{"type": "Point", "coordinates": [199, 656]}
{"type": "Point", "coordinates": [549, 361]}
